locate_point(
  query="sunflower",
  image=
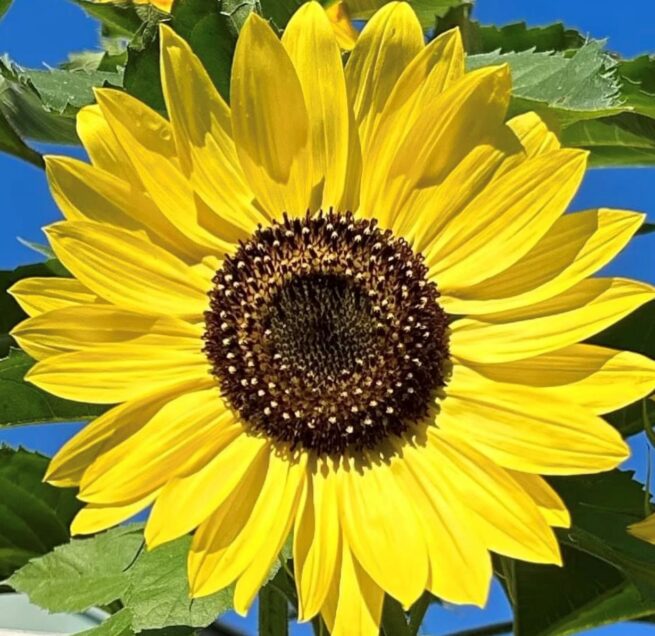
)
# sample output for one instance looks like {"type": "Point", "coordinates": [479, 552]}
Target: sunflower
{"type": "Point", "coordinates": [347, 307]}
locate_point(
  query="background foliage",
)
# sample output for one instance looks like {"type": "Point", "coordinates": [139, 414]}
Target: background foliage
{"type": "Point", "coordinates": [597, 100]}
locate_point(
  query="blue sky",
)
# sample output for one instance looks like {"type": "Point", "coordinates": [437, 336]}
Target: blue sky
{"type": "Point", "coordinates": [28, 36]}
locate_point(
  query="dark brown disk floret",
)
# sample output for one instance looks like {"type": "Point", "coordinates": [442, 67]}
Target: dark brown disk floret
{"type": "Point", "coordinates": [324, 332]}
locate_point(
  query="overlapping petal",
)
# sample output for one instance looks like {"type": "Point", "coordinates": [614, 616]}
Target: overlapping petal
{"type": "Point", "coordinates": [307, 38]}
{"type": "Point", "coordinates": [578, 313]}
{"type": "Point", "coordinates": [575, 246]}
{"type": "Point", "coordinates": [270, 122]}
{"type": "Point", "coordinates": [126, 269]}
{"type": "Point", "coordinates": [528, 430]}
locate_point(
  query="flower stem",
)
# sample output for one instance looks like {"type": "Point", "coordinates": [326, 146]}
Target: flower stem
{"type": "Point", "coordinates": [394, 620]}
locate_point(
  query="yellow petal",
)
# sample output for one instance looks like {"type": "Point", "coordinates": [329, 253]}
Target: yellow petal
{"type": "Point", "coordinates": [180, 438]}
{"type": "Point", "coordinates": [388, 43]}
{"type": "Point", "coordinates": [359, 605]}
{"type": "Point", "coordinates": [102, 146]}
{"type": "Point", "coordinates": [118, 372]}
{"type": "Point", "coordinates": [427, 76]}
{"type": "Point", "coordinates": [107, 431]}
{"type": "Point", "coordinates": [467, 114]}
{"type": "Point", "coordinates": [527, 429]}
{"type": "Point", "coordinates": [426, 211]}
{"type": "Point", "coordinates": [312, 47]}
{"type": "Point", "coordinates": [460, 565]}
{"type": "Point", "coordinates": [505, 517]}
{"type": "Point", "coordinates": [281, 522]}
{"type": "Point", "coordinates": [38, 295]}
{"type": "Point", "coordinates": [329, 609]}
{"type": "Point", "coordinates": [85, 326]}
{"type": "Point", "coordinates": [576, 246]}
{"type": "Point", "coordinates": [147, 139]}
{"type": "Point", "coordinates": [534, 134]}
{"type": "Point", "coordinates": [601, 380]}
{"type": "Point", "coordinates": [343, 28]}
{"type": "Point", "coordinates": [316, 541]}
{"type": "Point", "coordinates": [578, 313]}
{"type": "Point", "coordinates": [505, 220]}
{"type": "Point", "coordinates": [270, 121]}
{"type": "Point", "coordinates": [185, 502]}
{"type": "Point", "coordinates": [202, 129]}
{"type": "Point", "coordinates": [213, 562]}
{"type": "Point", "coordinates": [644, 530]}
{"type": "Point", "coordinates": [127, 270]}
{"type": "Point", "coordinates": [92, 518]}
{"type": "Point", "coordinates": [548, 501]}
{"type": "Point", "coordinates": [85, 193]}
{"type": "Point", "coordinates": [370, 497]}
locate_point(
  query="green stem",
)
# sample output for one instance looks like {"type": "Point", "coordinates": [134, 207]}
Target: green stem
{"type": "Point", "coordinates": [417, 613]}
{"type": "Point", "coordinates": [273, 609]}
{"type": "Point", "coordinates": [488, 630]}
{"type": "Point", "coordinates": [394, 620]}
{"type": "Point", "coordinates": [647, 495]}
{"type": "Point", "coordinates": [650, 435]}
{"type": "Point", "coordinates": [648, 425]}
{"type": "Point", "coordinates": [319, 627]}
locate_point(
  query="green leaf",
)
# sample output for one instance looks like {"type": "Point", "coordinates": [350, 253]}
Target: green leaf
{"type": "Point", "coordinates": [426, 10]}
{"type": "Point", "coordinates": [630, 419]}
{"type": "Point", "coordinates": [119, 624]}
{"type": "Point", "coordinates": [585, 593]}
{"type": "Point", "coordinates": [11, 143]}
{"type": "Point", "coordinates": [39, 248]}
{"type": "Point", "coordinates": [638, 84]}
{"type": "Point", "coordinates": [582, 86]}
{"type": "Point", "coordinates": [61, 90]}
{"type": "Point", "coordinates": [42, 104]}
{"type": "Point", "coordinates": [237, 11]}
{"type": "Point", "coordinates": [602, 507]}
{"type": "Point", "coordinates": [34, 516]}
{"type": "Point", "coordinates": [23, 403]}
{"type": "Point", "coordinates": [519, 37]}
{"type": "Point", "coordinates": [635, 332]}
{"type": "Point", "coordinates": [608, 575]}
{"type": "Point", "coordinates": [83, 573]}
{"type": "Point", "coordinates": [114, 566]}
{"type": "Point", "coordinates": [279, 11]}
{"type": "Point", "coordinates": [623, 140]}
{"type": "Point", "coordinates": [627, 138]}
{"type": "Point", "coordinates": [152, 585]}
{"type": "Point", "coordinates": [119, 19]}
{"type": "Point", "coordinates": [212, 29]}
{"type": "Point", "coordinates": [21, 106]}
{"type": "Point", "coordinates": [10, 312]}
{"type": "Point", "coordinates": [158, 591]}
{"type": "Point", "coordinates": [510, 38]}
{"type": "Point", "coordinates": [4, 7]}
{"type": "Point", "coordinates": [90, 61]}
{"type": "Point", "coordinates": [142, 78]}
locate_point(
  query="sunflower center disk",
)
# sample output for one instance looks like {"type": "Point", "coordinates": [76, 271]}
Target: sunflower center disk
{"type": "Point", "coordinates": [324, 333]}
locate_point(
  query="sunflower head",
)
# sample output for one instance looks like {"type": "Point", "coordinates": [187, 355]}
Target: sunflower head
{"type": "Point", "coordinates": [324, 332]}
{"type": "Point", "coordinates": [348, 306]}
